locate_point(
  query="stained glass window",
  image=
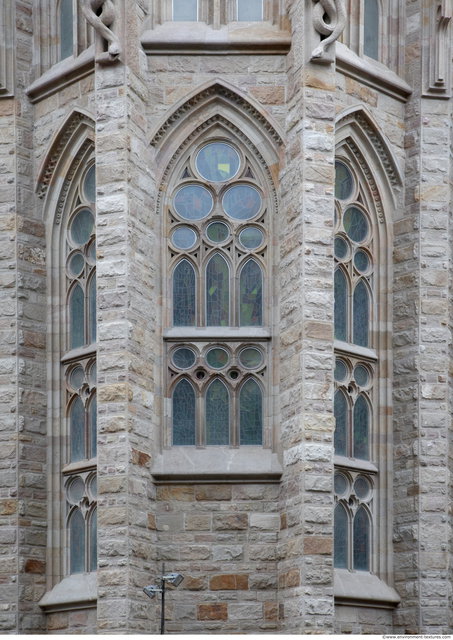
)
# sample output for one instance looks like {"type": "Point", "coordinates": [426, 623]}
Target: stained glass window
{"type": "Point", "coordinates": [66, 29]}
{"type": "Point", "coordinates": [341, 305]}
{"type": "Point", "coordinates": [184, 295]}
{"type": "Point", "coordinates": [361, 540]}
{"type": "Point", "coordinates": [371, 29]}
{"type": "Point", "coordinates": [361, 428]}
{"type": "Point", "coordinates": [77, 430]}
{"type": "Point", "coordinates": [77, 542]}
{"type": "Point", "coordinates": [251, 295]}
{"type": "Point", "coordinates": [217, 292]}
{"type": "Point", "coordinates": [77, 317]}
{"type": "Point", "coordinates": [341, 423]}
{"type": "Point", "coordinates": [184, 414]}
{"type": "Point", "coordinates": [218, 162]}
{"type": "Point", "coordinates": [251, 413]}
{"type": "Point", "coordinates": [340, 537]}
{"type": "Point", "coordinates": [361, 314]}
{"type": "Point", "coordinates": [217, 414]}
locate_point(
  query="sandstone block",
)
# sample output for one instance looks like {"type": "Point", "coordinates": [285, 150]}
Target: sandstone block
{"type": "Point", "coordinates": [212, 611]}
{"type": "Point", "coordinates": [235, 521]}
{"type": "Point", "coordinates": [229, 582]}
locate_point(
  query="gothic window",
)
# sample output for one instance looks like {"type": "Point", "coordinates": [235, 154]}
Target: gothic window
{"type": "Point", "coordinates": [356, 364]}
{"type": "Point", "coordinates": [217, 218]}
{"type": "Point", "coordinates": [73, 32]}
{"type": "Point", "coordinates": [79, 371]}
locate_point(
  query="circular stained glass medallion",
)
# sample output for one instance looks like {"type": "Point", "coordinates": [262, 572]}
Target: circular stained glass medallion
{"type": "Point", "coordinates": [362, 487]}
{"type": "Point", "coordinates": [217, 232]}
{"type": "Point", "coordinates": [341, 248]}
{"type": "Point", "coordinates": [183, 358]}
{"type": "Point", "coordinates": [340, 484]}
{"type": "Point", "coordinates": [76, 377]}
{"type": "Point", "coordinates": [242, 202]}
{"type": "Point", "coordinates": [344, 182]}
{"type": "Point", "coordinates": [89, 185]}
{"type": "Point", "coordinates": [355, 224]}
{"type": "Point", "coordinates": [361, 375]}
{"type": "Point", "coordinates": [82, 227]}
{"type": "Point", "coordinates": [251, 237]}
{"type": "Point", "coordinates": [361, 261]}
{"type": "Point", "coordinates": [341, 370]}
{"type": "Point", "coordinates": [217, 162]}
{"type": "Point", "coordinates": [250, 358]}
{"type": "Point", "coordinates": [75, 490]}
{"type": "Point", "coordinates": [217, 358]}
{"type": "Point", "coordinates": [184, 238]}
{"type": "Point", "coordinates": [76, 264]}
{"type": "Point", "coordinates": [193, 202]}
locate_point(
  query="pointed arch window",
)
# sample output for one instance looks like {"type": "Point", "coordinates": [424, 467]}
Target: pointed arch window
{"type": "Point", "coordinates": [217, 219]}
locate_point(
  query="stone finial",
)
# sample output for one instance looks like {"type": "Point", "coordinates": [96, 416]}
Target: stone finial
{"type": "Point", "coordinates": [329, 19]}
{"type": "Point", "coordinates": [102, 23]}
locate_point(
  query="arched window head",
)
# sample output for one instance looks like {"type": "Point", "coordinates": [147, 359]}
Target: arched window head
{"type": "Point", "coordinates": [218, 213]}
{"type": "Point", "coordinates": [81, 494]}
{"type": "Point", "coordinates": [371, 24]}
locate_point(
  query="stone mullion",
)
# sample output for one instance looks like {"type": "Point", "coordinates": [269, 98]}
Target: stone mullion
{"type": "Point", "coordinates": [127, 310]}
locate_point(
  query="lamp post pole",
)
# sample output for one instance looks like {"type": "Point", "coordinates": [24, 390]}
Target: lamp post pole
{"type": "Point", "coordinates": [162, 607]}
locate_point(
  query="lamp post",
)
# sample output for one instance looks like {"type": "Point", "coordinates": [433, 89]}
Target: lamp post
{"type": "Point", "coordinates": [151, 590]}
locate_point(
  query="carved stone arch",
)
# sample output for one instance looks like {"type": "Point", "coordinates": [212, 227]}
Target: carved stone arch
{"type": "Point", "coordinates": [218, 99]}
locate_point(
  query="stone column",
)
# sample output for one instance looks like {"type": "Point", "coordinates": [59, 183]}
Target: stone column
{"type": "Point", "coordinates": [127, 318]}
{"type": "Point", "coordinates": [306, 285]}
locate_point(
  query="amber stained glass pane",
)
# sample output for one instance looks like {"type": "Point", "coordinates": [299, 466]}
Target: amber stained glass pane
{"type": "Point", "coordinates": [184, 295]}
{"type": "Point", "coordinates": [251, 413]}
{"type": "Point", "coordinates": [217, 292]}
{"type": "Point", "coordinates": [217, 414]}
{"type": "Point", "coordinates": [184, 414]}
{"type": "Point", "coordinates": [251, 295]}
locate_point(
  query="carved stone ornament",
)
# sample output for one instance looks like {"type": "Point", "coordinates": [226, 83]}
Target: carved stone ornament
{"type": "Point", "coordinates": [329, 20]}
{"type": "Point", "coordinates": [101, 14]}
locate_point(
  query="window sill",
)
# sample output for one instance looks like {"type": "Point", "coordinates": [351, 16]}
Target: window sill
{"type": "Point", "coordinates": [248, 463]}
{"type": "Point", "coordinates": [355, 463]}
{"type": "Point", "coordinates": [78, 591]}
{"type": "Point", "coordinates": [363, 589]}
{"type": "Point", "coordinates": [62, 75]}
{"type": "Point", "coordinates": [371, 73]}
{"type": "Point", "coordinates": [217, 333]}
{"type": "Point", "coordinates": [175, 38]}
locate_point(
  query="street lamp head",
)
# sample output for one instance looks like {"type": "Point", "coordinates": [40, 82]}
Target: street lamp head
{"type": "Point", "coordinates": [173, 578]}
{"type": "Point", "coordinates": [151, 590]}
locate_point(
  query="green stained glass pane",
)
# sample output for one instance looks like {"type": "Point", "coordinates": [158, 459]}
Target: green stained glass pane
{"type": "Point", "coordinates": [217, 414]}
{"type": "Point", "coordinates": [89, 184]}
{"type": "Point", "coordinates": [361, 314]}
{"type": "Point", "coordinates": [361, 261]}
{"type": "Point", "coordinates": [361, 540]}
{"type": "Point", "coordinates": [184, 238]}
{"type": "Point", "coordinates": [340, 537]}
{"type": "Point", "coordinates": [217, 292]}
{"type": "Point", "coordinates": [76, 264]}
{"type": "Point", "coordinates": [250, 358]}
{"type": "Point", "coordinates": [242, 202]}
{"type": "Point", "coordinates": [361, 417]}
{"type": "Point", "coordinates": [251, 237]}
{"type": "Point", "coordinates": [361, 375]}
{"type": "Point", "coordinates": [341, 370]}
{"type": "Point", "coordinates": [92, 309]}
{"type": "Point", "coordinates": [355, 224]}
{"type": "Point", "coordinates": [184, 414]}
{"type": "Point", "coordinates": [183, 358]}
{"type": "Point", "coordinates": [217, 232]}
{"type": "Point", "coordinates": [92, 426]}
{"type": "Point", "coordinates": [77, 317]}
{"type": "Point", "coordinates": [217, 162]}
{"type": "Point", "coordinates": [93, 541]}
{"type": "Point", "coordinates": [77, 430]}
{"type": "Point", "coordinates": [341, 248]}
{"type": "Point", "coordinates": [251, 413]}
{"type": "Point", "coordinates": [77, 542]}
{"type": "Point", "coordinates": [340, 409]}
{"type": "Point", "coordinates": [344, 182]}
{"type": "Point", "coordinates": [217, 358]}
{"type": "Point", "coordinates": [250, 10]}
{"type": "Point", "coordinates": [251, 295]}
{"type": "Point", "coordinates": [193, 202]}
{"type": "Point", "coordinates": [341, 305]}
{"type": "Point", "coordinates": [184, 295]}
{"type": "Point", "coordinates": [82, 227]}
{"type": "Point", "coordinates": [371, 29]}
{"type": "Point", "coordinates": [185, 10]}
{"type": "Point", "coordinates": [66, 26]}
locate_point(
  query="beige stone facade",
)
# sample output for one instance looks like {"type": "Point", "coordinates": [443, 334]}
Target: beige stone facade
{"type": "Point", "coordinates": [130, 96]}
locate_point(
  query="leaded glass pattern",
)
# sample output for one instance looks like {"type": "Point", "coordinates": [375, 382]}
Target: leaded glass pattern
{"type": "Point", "coordinates": [81, 496]}
{"type": "Point", "coordinates": [217, 217]}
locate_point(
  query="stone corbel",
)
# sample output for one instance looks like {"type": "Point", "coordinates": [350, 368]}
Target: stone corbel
{"type": "Point", "coordinates": [102, 15]}
{"type": "Point", "coordinates": [329, 20]}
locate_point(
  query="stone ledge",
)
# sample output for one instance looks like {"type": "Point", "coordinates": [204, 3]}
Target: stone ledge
{"type": "Point", "coordinates": [197, 38]}
{"type": "Point", "coordinates": [363, 589]}
{"type": "Point", "coordinates": [61, 75]}
{"type": "Point", "coordinates": [248, 463]}
{"type": "Point", "coordinates": [78, 591]}
{"type": "Point", "coordinates": [371, 73]}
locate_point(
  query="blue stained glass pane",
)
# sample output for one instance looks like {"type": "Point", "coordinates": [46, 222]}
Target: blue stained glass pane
{"type": "Point", "coordinates": [340, 537]}
{"type": "Point", "coordinates": [183, 414]}
{"type": "Point", "coordinates": [77, 317]}
{"type": "Point", "coordinates": [184, 295]}
{"type": "Point", "coordinates": [193, 202]}
{"type": "Point", "coordinates": [344, 181]}
{"type": "Point", "coordinates": [361, 315]}
{"type": "Point", "coordinates": [341, 305]}
{"type": "Point", "coordinates": [185, 10]}
{"type": "Point", "coordinates": [66, 33]}
{"type": "Point", "coordinates": [89, 185]}
{"type": "Point", "coordinates": [250, 10]}
{"type": "Point", "coordinates": [251, 413]}
{"type": "Point", "coordinates": [92, 309]}
{"type": "Point", "coordinates": [251, 237]}
{"type": "Point", "coordinates": [242, 202]}
{"type": "Point", "coordinates": [361, 261]}
{"type": "Point", "coordinates": [355, 224]}
{"type": "Point", "coordinates": [93, 540]}
{"type": "Point", "coordinates": [184, 358]}
{"type": "Point", "coordinates": [340, 370]}
{"type": "Point", "coordinates": [361, 540]}
{"type": "Point", "coordinates": [217, 414]}
{"type": "Point", "coordinates": [218, 162]}
{"type": "Point", "coordinates": [82, 227]}
{"type": "Point", "coordinates": [251, 295]}
{"type": "Point", "coordinates": [77, 430]}
{"type": "Point", "coordinates": [361, 429]}
{"type": "Point", "coordinates": [371, 29]}
{"type": "Point", "coordinates": [340, 409]}
{"type": "Point", "coordinates": [92, 426]}
{"type": "Point", "coordinates": [217, 292]}
{"type": "Point", "coordinates": [77, 542]}
{"type": "Point", "coordinates": [341, 248]}
{"type": "Point", "coordinates": [184, 238]}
